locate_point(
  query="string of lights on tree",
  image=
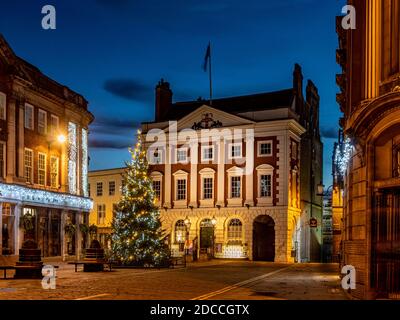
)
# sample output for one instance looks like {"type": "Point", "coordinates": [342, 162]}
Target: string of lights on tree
{"type": "Point", "coordinates": [137, 235]}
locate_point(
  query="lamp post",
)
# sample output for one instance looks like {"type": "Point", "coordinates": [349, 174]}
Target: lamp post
{"type": "Point", "coordinates": [213, 222]}
{"type": "Point", "coordinates": [187, 224]}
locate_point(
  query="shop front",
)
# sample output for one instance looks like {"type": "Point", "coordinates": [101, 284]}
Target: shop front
{"type": "Point", "coordinates": [51, 219]}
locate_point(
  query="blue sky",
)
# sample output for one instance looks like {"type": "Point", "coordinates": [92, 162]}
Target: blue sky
{"type": "Point", "coordinates": [114, 52]}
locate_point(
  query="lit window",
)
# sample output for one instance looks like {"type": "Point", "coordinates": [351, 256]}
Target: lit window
{"type": "Point", "coordinates": [181, 155]}
{"type": "Point", "coordinates": [111, 188]}
{"type": "Point", "coordinates": [54, 125]}
{"type": "Point", "coordinates": [207, 153]}
{"type": "Point", "coordinates": [3, 104]}
{"type": "Point", "coordinates": [28, 162]}
{"type": "Point", "coordinates": [180, 231]}
{"type": "Point", "coordinates": [157, 189]}
{"type": "Point", "coordinates": [235, 229]}
{"type": "Point", "coordinates": [54, 164]}
{"type": "Point", "coordinates": [99, 189]}
{"type": "Point", "coordinates": [101, 213]}
{"type": "Point", "coordinates": [235, 187]}
{"type": "Point", "coordinates": [207, 188]}
{"type": "Point", "coordinates": [266, 187]}
{"type": "Point", "coordinates": [264, 149]}
{"type": "Point", "coordinates": [42, 169]}
{"type": "Point", "coordinates": [29, 116]}
{"type": "Point", "coordinates": [42, 122]}
{"type": "Point", "coordinates": [181, 189]}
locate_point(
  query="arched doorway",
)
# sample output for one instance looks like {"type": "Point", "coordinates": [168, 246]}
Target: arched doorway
{"type": "Point", "coordinates": [264, 239]}
{"type": "Point", "coordinates": [206, 236]}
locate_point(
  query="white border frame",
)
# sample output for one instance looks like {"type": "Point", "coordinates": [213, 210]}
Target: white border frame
{"type": "Point", "coordinates": [202, 153]}
{"type": "Point", "coordinates": [45, 169]}
{"type": "Point", "coordinates": [265, 169]}
{"type": "Point", "coordinates": [235, 144]}
{"type": "Point", "coordinates": [259, 143]}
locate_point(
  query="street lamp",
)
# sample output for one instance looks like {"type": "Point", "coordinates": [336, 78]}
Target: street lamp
{"type": "Point", "coordinates": [61, 138]}
{"type": "Point", "coordinates": [213, 222]}
{"type": "Point", "coordinates": [187, 224]}
{"type": "Point", "coordinates": [320, 190]}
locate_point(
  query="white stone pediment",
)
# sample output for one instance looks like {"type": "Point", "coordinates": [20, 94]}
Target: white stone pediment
{"type": "Point", "coordinates": [207, 117]}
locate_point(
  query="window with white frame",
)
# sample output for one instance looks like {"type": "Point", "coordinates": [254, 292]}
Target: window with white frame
{"type": "Point", "coordinates": [208, 188]}
{"type": "Point", "coordinates": [29, 117]}
{"type": "Point", "coordinates": [156, 178]}
{"type": "Point", "coordinates": [265, 148]}
{"type": "Point", "coordinates": [180, 186]}
{"type": "Point", "coordinates": [3, 106]}
{"type": "Point", "coordinates": [101, 213]}
{"type": "Point", "coordinates": [207, 153]}
{"type": "Point", "coordinates": [28, 165]}
{"type": "Point", "coordinates": [2, 159]}
{"type": "Point", "coordinates": [41, 169]}
{"type": "Point", "coordinates": [54, 169]}
{"type": "Point", "coordinates": [180, 231]}
{"type": "Point", "coordinates": [181, 189]}
{"type": "Point", "coordinates": [156, 156]}
{"type": "Point", "coordinates": [265, 175]}
{"type": "Point", "coordinates": [157, 189]}
{"type": "Point", "coordinates": [181, 155]}
{"type": "Point", "coordinates": [54, 125]}
{"type": "Point", "coordinates": [236, 187]}
{"type": "Point", "coordinates": [111, 188]}
{"type": "Point", "coordinates": [42, 121]}
{"type": "Point", "coordinates": [235, 228]}
{"type": "Point", "coordinates": [266, 185]}
{"type": "Point", "coordinates": [99, 189]}
{"type": "Point", "coordinates": [235, 150]}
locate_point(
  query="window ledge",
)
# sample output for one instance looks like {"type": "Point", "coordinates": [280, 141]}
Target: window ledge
{"type": "Point", "coordinates": [235, 202]}
{"type": "Point", "coordinates": [207, 203]}
{"type": "Point", "coordinates": [180, 204]}
{"type": "Point", "coordinates": [264, 201]}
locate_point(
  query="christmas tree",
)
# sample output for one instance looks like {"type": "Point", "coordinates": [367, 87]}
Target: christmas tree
{"type": "Point", "coordinates": [137, 235]}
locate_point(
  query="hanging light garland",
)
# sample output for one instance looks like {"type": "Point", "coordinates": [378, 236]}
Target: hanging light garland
{"type": "Point", "coordinates": [20, 193]}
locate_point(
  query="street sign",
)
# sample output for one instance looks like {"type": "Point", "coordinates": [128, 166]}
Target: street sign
{"type": "Point", "coordinates": [313, 223]}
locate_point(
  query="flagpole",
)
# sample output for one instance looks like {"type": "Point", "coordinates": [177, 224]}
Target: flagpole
{"type": "Point", "coordinates": [210, 76]}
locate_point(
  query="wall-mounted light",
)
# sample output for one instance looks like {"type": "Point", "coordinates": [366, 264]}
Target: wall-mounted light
{"type": "Point", "coordinates": [320, 190]}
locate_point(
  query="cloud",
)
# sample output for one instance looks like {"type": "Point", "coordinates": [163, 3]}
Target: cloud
{"type": "Point", "coordinates": [114, 126]}
{"type": "Point", "coordinates": [129, 89]}
{"type": "Point", "coordinates": [329, 133]}
{"type": "Point", "coordinates": [110, 144]}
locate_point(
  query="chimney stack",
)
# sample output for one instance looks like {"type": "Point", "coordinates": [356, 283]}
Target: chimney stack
{"type": "Point", "coordinates": [163, 100]}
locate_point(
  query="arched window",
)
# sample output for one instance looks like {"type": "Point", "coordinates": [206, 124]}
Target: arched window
{"type": "Point", "coordinates": [180, 231]}
{"type": "Point", "coordinates": [235, 228]}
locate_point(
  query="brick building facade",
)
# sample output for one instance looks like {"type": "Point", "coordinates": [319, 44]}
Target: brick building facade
{"type": "Point", "coordinates": [228, 174]}
{"type": "Point", "coordinates": [43, 159]}
{"type": "Point", "coordinates": [370, 102]}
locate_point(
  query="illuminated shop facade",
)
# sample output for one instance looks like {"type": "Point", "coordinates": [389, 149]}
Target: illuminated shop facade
{"type": "Point", "coordinates": [43, 160]}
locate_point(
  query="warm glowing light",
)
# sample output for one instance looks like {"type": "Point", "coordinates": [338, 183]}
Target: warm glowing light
{"type": "Point", "coordinates": [214, 221]}
{"type": "Point", "coordinates": [61, 138]}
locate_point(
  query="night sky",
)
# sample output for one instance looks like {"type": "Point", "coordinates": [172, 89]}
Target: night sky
{"type": "Point", "coordinates": [114, 52]}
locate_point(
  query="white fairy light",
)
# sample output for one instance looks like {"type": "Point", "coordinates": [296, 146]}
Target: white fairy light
{"type": "Point", "coordinates": [343, 156]}
{"type": "Point", "coordinates": [85, 162]}
{"type": "Point", "coordinates": [12, 192]}
{"type": "Point", "coordinates": [72, 157]}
